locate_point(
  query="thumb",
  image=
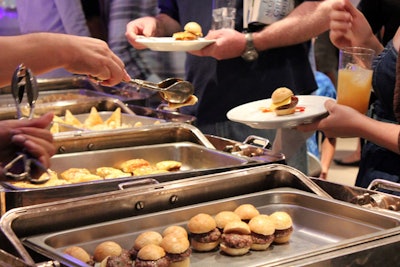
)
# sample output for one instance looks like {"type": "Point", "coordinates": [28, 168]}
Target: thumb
{"type": "Point", "coordinates": [329, 105]}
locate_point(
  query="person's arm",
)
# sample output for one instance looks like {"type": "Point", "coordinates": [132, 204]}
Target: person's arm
{"type": "Point", "coordinates": [338, 124]}
{"type": "Point", "coordinates": [43, 52]}
{"type": "Point", "coordinates": [306, 21]}
{"type": "Point", "coordinates": [349, 27]}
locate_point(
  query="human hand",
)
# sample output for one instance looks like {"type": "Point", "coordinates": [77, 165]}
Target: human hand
{"type": "Point", "coordinates": [145, 26]}
{"type": "Point", "coordinates": [228, 44]}
{"type": "Point", "coordinates": [32, 136]}
{"type": "Point", "coordinates": [342, 121]}
{"type": "Point", "coordinates": [348, 26]}
{"type": "Point", "coordinates": [93, 57]}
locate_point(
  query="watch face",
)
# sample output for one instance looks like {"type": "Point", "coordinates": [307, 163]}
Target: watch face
{"type": "Point", "coordinates": [250, 55]}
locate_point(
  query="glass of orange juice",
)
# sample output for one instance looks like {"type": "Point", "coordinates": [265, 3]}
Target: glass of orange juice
{"type": "Point", "coordinates": [355, 77]}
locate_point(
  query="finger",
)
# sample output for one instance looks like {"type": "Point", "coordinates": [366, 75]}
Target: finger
{"type": "Point", "coordinates": [37, 132]}
{"type": "Point", "coordinates": [329, 105]}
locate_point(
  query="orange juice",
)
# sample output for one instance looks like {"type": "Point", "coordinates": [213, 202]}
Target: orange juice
{"type": "Point", "coordinates": [354, 88]}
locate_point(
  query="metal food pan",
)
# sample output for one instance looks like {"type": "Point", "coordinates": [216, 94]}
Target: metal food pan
{"type": "Point", "coordinates": [320, 226]}
{"type": "Point", "coordinates": [127, 121]}
{"type": "Point", "coordinates": [196, 160]}
{"type": "Point", "coordinates": [75, 100]}
{"type": "Point", "coordinates": [146, 135]}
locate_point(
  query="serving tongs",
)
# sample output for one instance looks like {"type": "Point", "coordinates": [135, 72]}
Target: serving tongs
{"type": "Point", "coordinates": [173, 90]}
{"type": "Point", "coordinates": [24, 166]}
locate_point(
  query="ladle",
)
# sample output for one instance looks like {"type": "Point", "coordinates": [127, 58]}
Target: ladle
{"type": "Point", "coordinates": [173, 90]}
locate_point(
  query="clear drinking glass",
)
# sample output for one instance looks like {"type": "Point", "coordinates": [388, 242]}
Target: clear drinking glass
{"type": "Point", "coordinates": [355, 77]}
{"type": "Point", "coordinates": [223, 14]}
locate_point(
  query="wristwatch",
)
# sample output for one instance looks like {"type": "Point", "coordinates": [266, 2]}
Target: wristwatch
{"type": "Point", "coordinates": [250, 54]}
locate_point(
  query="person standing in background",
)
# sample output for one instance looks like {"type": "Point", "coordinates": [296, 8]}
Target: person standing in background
{"type": "Point", "coordinates": [142, 64]}
{"type": "Point", "coordinates": [57, 16]}
{"type": "Point", "coordinates": [223, 79]}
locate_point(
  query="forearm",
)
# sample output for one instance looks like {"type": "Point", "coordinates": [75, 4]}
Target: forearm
{"type": "Point", "coordinates": [40, 52]}
{"type": "Point", "coordinates": [305, 22]}
{"type": "Point", "coordinates": [381, 133]}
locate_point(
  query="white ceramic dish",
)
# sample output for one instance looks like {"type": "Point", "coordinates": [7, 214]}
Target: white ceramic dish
{"type": "Point", "coordinates": [252, 113]}
{"type": "Point", "coordinates": [170, 44]}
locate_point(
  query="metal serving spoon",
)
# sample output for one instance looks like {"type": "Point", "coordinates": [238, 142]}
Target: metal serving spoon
{"type": "Point", "coordinates": [173, 90]}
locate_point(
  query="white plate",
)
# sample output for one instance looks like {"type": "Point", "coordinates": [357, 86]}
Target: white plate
{"type": "Point", "coordinates": [170, 44]}
{"type": "Point", "coordinates": [252, 114]}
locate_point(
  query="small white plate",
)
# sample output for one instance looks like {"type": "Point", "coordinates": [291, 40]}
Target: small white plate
{"type": "Point", "coordinates": [252, 113]}
{"type": "Point", "coordinates": [170, 44]}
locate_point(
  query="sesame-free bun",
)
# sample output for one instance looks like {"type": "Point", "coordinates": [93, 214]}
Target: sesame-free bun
{"type": "Point", "coordinates": [175, 244]}
{"type": "Point", "coordinates": [283, 226]}
{"type": "Point", "coordinates": [78, 253]}
{"type": "Point", "coordinates": [146, 238]}
{"type": "Point", "coordinates": [151, 252]}
{"type": "Point", "coordinates": [105, 249]}
{"type": "Point", "coordinates": [193, 27]}
{"type": "Point", "coordinates": [199, 246]}
{"type": "Point", "coordinates": [282, 220]}
{"type": "Point", "coordinates": [238, 227]}
{"type": "Point", "coordinates": [286, 111]}
{"type": "Point", "coordinates": [176, 230]}
{"type": "Point", "coordinates": [262, 225]}
{"type": "Point", "coordinates": [281, 94]}
{"type": "Point", "coordinates": [234, 251]}
{"type": "Point", "coordinates": [223, 217]}
{"type": "Point", "coordinates": [201, 223]}
{"type": "Point", "coordinates": [246, 212]}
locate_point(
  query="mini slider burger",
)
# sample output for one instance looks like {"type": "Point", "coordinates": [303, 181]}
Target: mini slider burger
{"type": "Point", "coordinates": [262, 232]}
{"type": "Point", "coordinates": [178, 250]}
{"type": "Point", "coordinates": [283, 226]}
{"type": "Point", "coordinates": [204, 235]}
{"type": "Point", "coordinates": [151, 255]}
{"type": "Point", "coordinates": [283, 101]}
{"type": "Point", "coordinates": [192, 31]}
{"type": "Point", "coordinates": [223, 217]}
{"type": "Point", "coordinates": [236, 239]}
{"type": "Point", "coordinates": [145, 238]}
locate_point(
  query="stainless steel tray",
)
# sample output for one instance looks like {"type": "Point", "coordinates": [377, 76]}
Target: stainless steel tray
{"type": "Point", "coordinates": [127, 121]}
{"type": "Point", "coordinates": [77, 101]}
{"type": "Point", "coordinates": [146, 135]}
{"type": "Point", "coordinates": [316, 223]}
{"type": "Point", "coordinates": [195, 159]}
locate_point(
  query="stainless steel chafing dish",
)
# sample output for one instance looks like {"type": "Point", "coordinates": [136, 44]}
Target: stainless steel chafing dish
{"type": "Point", "coordinates": [196, 160]}
{"type": "Point", "coordinates": [327, 232]}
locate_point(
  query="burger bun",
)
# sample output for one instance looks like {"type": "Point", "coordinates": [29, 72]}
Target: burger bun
{"type": "Point", "coordinates": [238, 227]}
{"type": "Point", "coordinates": [234, 251]}
{"type": "Point", "coordinates": [201, 223]}
{"type": "Point", "coordinates": [145, 238]}
{"type": "Point", "coordinates": [262, 225]}
{"type": "Point", "coordinates": [281, 94]}
{"type": "Point", "coordinates": [151, 252]}
{"type": "Point", "coordinates": [246, 212]}
{"type": "Point", "coordinates": [223, 217]}
{"type": "Point", "coordinates": [194, 28]}
{"type": "Point", "coordinates": [174, 244]}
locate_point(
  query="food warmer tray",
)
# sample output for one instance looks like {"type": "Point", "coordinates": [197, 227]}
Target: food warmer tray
{"type": "Point", "coordinates": [326, 231]}
{"type": "Point", "coordinates": [123, 91]}
{"type": "Point", "coordinates": [196, 160]}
